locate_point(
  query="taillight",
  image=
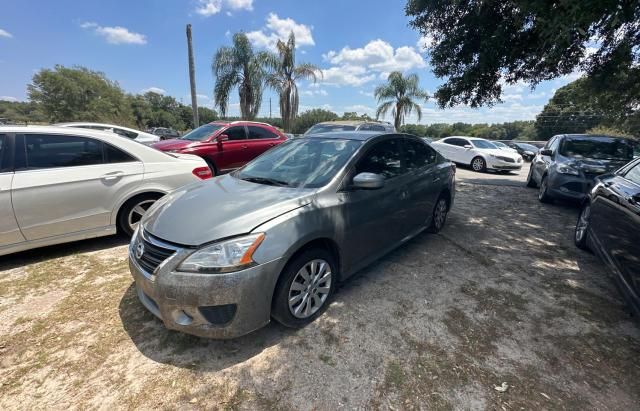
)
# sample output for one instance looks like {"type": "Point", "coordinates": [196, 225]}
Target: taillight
{"type": "Point", "coordinates": [202, 173]}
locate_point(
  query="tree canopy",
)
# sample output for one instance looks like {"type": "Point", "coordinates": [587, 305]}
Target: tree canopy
{"type": "Point", "coordinates": [476, 46]}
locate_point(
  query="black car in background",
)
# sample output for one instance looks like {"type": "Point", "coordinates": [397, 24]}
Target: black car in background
{"type": "Point", "coordinates": [568, 164]}
{"type": "Point", "coordinates": [165, 133]}
{"type": "Point", "coordinates": [609, 224]}
{"type": "Point", "coordinates": [527, 151]}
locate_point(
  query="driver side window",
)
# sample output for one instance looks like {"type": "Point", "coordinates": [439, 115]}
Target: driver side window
{"type": "Point", "coordinates": [235, 133]}
{"type": "Point", "coordinates": [384, 158]}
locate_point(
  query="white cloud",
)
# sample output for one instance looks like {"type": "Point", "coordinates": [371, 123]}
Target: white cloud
{"type": "Point", "coordinates": [425, 42]}
{"type": "Point", "coordinates": [375, 60]}
{"type": "Point", "coordinates": [156, 90]}
{"type": "Point", "coordinates": [202, 96]}
{"type": "Point", "coordinates": [8, 98]}
{"type": "Point", "coordinates": [279, 29]}
{"type": "Point", "coordinates": [316, 92]}
{"type": "Point", "coordinates": [346, 76]}
{"type": "Point", "coordinates": [378, 55]}
{"type": "Point", "coordinates": [116, 34]}
{"type": "Point", "coordinates": [208, 8]}
{"type": "Point", "coordinates": [4, 33]}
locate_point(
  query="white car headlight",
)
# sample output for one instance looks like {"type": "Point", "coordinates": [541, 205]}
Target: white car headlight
{"type": "Point", "coordinates": [223, 257]}
{"type": "Point", "coordinates": [568, 170]}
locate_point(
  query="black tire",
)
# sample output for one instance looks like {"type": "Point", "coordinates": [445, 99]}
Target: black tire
{"type": "Point", "coordinates": [581, 234]}
{"type": "Point", "coordinates": [531, 183]}
{"type": "Point", "coordinates": [144, 200]}
{"type": "Point", "coordinates": [212, 167]}
{"type": "Point", "coordinates": [478, 164]}
{"type": "Point", "coordinates": [543, 194]}
{"type": "Point", "coordinates": [280, 310]}
{"type": "Point", "coordinates": [437, 222]}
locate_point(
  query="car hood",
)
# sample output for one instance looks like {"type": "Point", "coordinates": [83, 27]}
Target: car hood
{"type": "Point", "coordinates": [173, 144]}
{"type": "Point", "coordinates": [218, 208]}
{"type": "Point", "coordinates": [594, 166]}
{"type": "Point", "coordinates": [502, 153]}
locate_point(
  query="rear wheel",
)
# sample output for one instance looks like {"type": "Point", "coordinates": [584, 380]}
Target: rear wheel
{"type": "Point", "coordinates": [305, 288]}
{"type": "Point", "coordinates": [478, 164]}
{"type": "Point", "coordinates": [439, 216]}
{"type": "Point", "coordinates": [530, 181]}
{"type": "Point", "coordinates": [543, 194]}
{"type": "Point", "coordinates": [582, 227]}
{"type": "Point", "coordinates": [132, 211]}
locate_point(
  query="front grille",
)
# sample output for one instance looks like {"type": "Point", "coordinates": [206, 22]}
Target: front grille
{"type": "Point", "coordinates": [154, 253]}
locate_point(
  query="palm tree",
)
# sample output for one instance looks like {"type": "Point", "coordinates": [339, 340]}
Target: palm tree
{"type": "Point", "coordinates": [239, 66]}
{"type": "Point", "coordinates": [283, 76]}
{"type": "Point", "coordinates": [400, 95]}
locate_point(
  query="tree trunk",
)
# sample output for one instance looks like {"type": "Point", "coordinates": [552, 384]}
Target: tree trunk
{"type": "Point", "coordinates": [192, 79]}
{"type": "Point", "coordinates": [398, 119]}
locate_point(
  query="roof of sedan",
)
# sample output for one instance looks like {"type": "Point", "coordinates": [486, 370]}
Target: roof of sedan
{"type": "Point", "coordinates": [54, 130]}
{"type": "Point", "coordinates": [348, 135]}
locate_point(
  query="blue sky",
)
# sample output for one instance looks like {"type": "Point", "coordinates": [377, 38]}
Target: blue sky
{"type": "Point", "coordinates": [142, 45]}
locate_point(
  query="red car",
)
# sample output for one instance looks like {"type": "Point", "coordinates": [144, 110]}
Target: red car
{"type": "Point", "coordinates": [225, 146]}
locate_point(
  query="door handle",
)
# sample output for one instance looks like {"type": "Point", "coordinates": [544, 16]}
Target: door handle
{"type": "Point", "coordinates": [272, 144]}
{"type": "Point", "coordinates": [113, 176]}
{"type": "Point", "coordinates": [244, 146]}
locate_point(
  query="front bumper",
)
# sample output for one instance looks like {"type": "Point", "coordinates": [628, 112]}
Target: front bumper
{"type": "Point", "coordinates": [569, 187]}
{"type": "Point", "coordinates": [207, 305]}
{"type": "Point", "coordinates": [496, 164]}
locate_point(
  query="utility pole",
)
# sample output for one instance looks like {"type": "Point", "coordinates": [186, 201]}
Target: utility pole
{"type": "Point", "coordinates": [192, 79]}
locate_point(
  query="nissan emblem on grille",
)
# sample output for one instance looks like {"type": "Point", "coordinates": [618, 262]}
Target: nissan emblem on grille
{"type": "Point", "coordinates": [139, 250]}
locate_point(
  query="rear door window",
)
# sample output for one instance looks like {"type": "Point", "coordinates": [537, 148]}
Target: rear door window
{"type": "Point", "coordinates": [49, 151]}
{"type": "Point", "coordinates": [417, 154]}
{"type": "Point", "coordinates": [236, 133]}
{"type": "Point", "coordinates": [260, 133]}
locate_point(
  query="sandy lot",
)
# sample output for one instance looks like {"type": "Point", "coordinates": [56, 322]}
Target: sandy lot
{"type": "Point", "coordinates": [500, 296]}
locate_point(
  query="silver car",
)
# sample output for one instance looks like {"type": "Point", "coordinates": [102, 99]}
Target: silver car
{"type": "Point", "coordinates": [271, 240]}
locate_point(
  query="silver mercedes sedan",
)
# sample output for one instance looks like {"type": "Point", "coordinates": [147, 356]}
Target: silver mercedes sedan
{"type": "Point", "coordinates": [221, 258]}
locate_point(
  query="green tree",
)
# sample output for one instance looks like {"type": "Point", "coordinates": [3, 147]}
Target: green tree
{"type": "Point", "coordinates": [79, 94]}
{"type": "Point", "coordinates": [22, 112]}
{"type": "Point", "coordinates": [283, 79]}
{"type": "Point", "coordinates": [399, 95]}
{"type": "Point", "coordinates": [239, 66]}
{"type": "Point", "coordinates": [476, 45]}
{"type": "Point", "coordinates": [352, 115]}
{"type": "Point", "coordinates": [312, 117]}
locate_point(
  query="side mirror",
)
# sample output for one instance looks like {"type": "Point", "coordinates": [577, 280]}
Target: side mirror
{"type": "Point", "coordinates": [368, 181]}
{"type": "Point", "coordinates": [546, 152]}
{"type": "Point", "coordinates": [222, 137]}
{"type": "Point", "coordinates": [468, 146]}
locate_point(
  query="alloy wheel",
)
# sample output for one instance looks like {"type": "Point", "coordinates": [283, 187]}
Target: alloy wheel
{"type": "Point", "coordinates": [310, 288]}
{"type": "Point", "coordinates": [478, 164]}
{"type": "Point", "coordinates": [583, 223]}
{"type": "Point", "coordinates": [440, 213]}
{"type": "Point", "coordinates": [136, 213]}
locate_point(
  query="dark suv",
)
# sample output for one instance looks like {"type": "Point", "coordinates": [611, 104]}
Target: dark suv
{"type": "Point", "coordinates": [568, 164]}
{"type": "Point", "coordinates": [165, 133]}
{"type": "Point", "coordinates": [225, 146]}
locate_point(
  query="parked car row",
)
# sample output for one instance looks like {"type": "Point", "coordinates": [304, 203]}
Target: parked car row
{"type": "Point", "coordinates": [602, 174]}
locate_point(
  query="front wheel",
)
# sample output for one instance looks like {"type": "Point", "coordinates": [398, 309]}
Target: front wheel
{"type": "Point", "coordinates": [582, 227]}
{"type": "Point", "coordinates": [305, 288]}
{"type": "Point", "coordinates": [479, 165]}
{"type": "Point", "coordinates": [543, 194]}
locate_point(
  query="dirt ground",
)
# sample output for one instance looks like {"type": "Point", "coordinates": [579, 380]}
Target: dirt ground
{"type": "Point", "coordinates": [500, 296]}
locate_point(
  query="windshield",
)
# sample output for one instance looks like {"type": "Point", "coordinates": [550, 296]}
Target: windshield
{"type": "Point", "coordinates": [483, 144]}
{"type": "Point", "coordinates": [328, 128]}
{"type": "Point", "coordinates": [600, 148]}
{"type": "Point", "coordinates": [303, 163]}
{"type": "Point", "coordinates": [201, 133]}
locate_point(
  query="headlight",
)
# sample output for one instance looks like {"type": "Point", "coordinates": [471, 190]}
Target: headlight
{"type": "Point", "coordinates": [568, 170]}
{"type": "Point", "coordinates": [223, 257]}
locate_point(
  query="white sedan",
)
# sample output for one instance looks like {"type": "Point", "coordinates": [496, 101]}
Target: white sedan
{"type": "Point", "coordinates": [137, 135]}
{"type": "Point", "coordinates": [65, 184]}
{"type": "Point", "coordinates": [479, 153]}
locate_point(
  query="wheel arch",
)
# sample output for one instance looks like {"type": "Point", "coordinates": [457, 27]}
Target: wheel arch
{"type": "Point", "coordinates": [118, 209]}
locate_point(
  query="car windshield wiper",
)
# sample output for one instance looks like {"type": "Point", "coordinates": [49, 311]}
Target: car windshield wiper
{"type": "Point", "coordinates": [265, 180]}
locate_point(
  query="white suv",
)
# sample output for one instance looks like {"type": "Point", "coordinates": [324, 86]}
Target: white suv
{"type": "Point", "coordinates": [478, 153]}
{"type": "Point", "coordinates": [64, 184]}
